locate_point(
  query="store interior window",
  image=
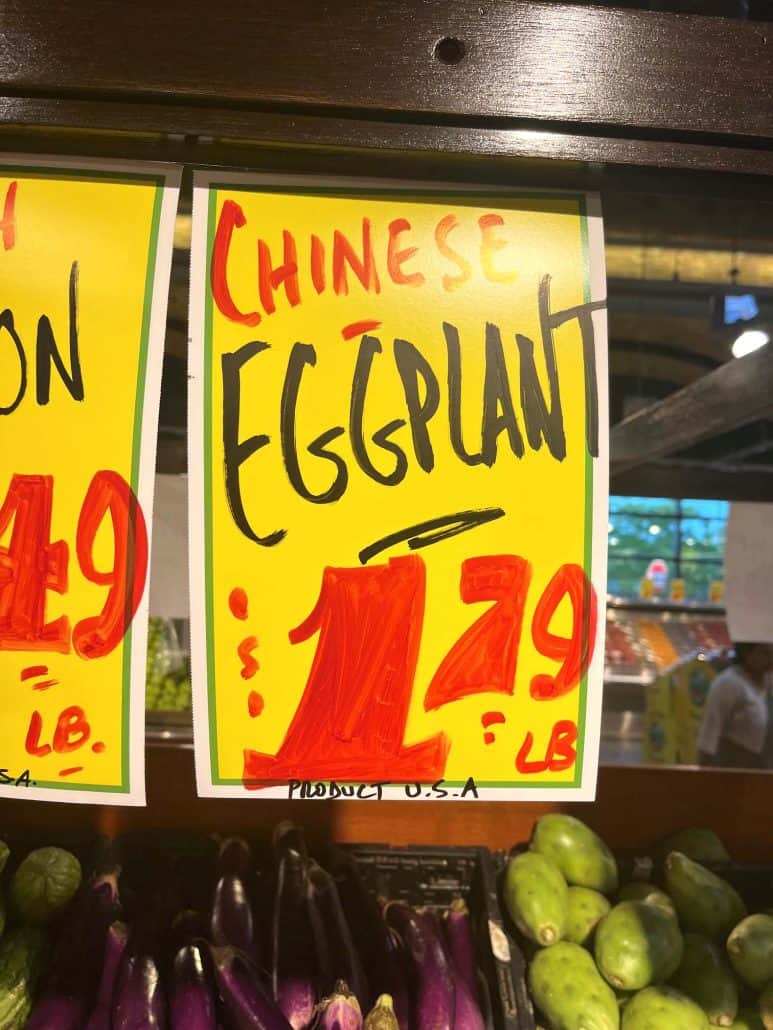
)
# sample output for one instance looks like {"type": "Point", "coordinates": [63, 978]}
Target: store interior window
{"type": "Point", "coordinates": [655, 541]}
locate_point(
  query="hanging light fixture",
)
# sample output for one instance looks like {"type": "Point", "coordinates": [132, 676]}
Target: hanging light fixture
{"type": "Point", "coordinates": [749, 341]}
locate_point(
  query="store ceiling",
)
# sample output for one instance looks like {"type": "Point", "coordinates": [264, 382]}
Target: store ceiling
{"type": "Point", "coordinates": [667, 257]}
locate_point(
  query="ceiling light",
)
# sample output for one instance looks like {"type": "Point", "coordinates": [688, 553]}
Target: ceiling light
{"type": "Point", "coordinates": [614, 542]}
{"type": "Point", "coordinates": [749, 341]}
{"type": "Point", "coordinates": [654, 530]}
{"type": "Point", "coordinates": [610, 527]}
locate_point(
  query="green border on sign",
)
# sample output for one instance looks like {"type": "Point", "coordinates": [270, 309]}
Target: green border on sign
{"type": "Point", "coordinates": [468, 197]}
{"type": "Point", "coordinates": [208, 588]}
{"type": "Point", "coordinates": [117, 179]}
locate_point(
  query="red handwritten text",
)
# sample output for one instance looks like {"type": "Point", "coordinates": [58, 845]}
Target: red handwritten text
{"type": "Point", "coordinates": [31, 565]}
{"type": "Point", "coordinates": [352, 716]}
{"type": "Point", "coordinates": [71, 732]}
{"type": "Point", "coordinates": [351, 720]}
{"type": "Point", "coordinates": [8, 221]}
{"type": "Point", "coordinates": [560, 755]}
{"type": "Point", "coordinates": [357, 260]}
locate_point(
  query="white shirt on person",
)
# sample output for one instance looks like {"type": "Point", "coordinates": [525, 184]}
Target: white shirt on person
{"type": "Point", "coordinates": [735, 709]}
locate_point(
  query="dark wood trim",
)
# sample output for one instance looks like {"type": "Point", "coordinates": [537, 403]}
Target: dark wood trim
{"type": "Point", "coordinates": [539, 62]}
{"type": "Point", "coordinates": [735, 394]}
{"type": "Point", "coordinates": [657, 349]}
{"type": "Point", "coordinates": [673, 479]}
{"type": "Point", "coordinates": [211, 136]}
{"type": "Point", "coordinates": [735, 804]}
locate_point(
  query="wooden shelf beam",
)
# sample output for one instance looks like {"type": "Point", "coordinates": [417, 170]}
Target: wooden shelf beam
{"type": "Point", "coordinates": [735, 394]}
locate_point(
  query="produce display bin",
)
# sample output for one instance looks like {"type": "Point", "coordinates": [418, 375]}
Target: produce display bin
{"type": "Point", "coordinates": [427, 876]}
{"type": "Point", "coordinates": [753, 881]}
{"type": "Point", "coordinates": [434, 876]}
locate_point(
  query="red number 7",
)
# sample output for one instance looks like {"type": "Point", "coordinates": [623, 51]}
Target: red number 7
{"type": "Point", "coordinates": [485, 657]}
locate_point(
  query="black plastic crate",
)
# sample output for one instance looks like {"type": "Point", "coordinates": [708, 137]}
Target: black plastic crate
{"type": "Point", "coordinates": [434, 876]}
{"type": "Point", "coordinates": [753, 881]}
{"type": "Point", "coordinates": [426, 876]}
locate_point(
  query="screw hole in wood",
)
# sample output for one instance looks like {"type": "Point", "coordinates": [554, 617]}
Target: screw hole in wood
{"type": "Point", "coordinates": [449, 50]}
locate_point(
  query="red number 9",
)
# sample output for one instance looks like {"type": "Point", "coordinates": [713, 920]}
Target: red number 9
{"type": "Point", "coordinates": [574, 652]}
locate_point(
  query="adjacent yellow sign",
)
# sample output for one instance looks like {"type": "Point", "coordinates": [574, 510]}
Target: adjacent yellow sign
{"type": "Point", "coordinates": [85, 253]}
{"type": "Point", "coordinates": [398, 478]}
{"type": "Point", "coordinates": [678, 591]}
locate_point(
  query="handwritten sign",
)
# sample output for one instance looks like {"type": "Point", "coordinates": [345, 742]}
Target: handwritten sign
{"type": "Point", "coordinates": [749, 573]}
{"type": "Point", "coordinates": [398, 478]}
{"type": "Point", "coordinates": [85, 254]}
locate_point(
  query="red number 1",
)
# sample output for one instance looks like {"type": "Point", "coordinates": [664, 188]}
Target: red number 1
{"type": "Point", "coordinates": [351, 720]}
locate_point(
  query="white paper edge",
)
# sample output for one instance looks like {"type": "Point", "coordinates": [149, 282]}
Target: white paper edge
{"type": "Point", "coordinates": [595, 693]}
{"type": "Point", "coordinates": [172, 175]}
{"type": "Point", "coordinates": [196, 521]}
{"type": "Point", "coordinates": [740, 625]}
{"type": "Point", "coordinates": [202, 179]}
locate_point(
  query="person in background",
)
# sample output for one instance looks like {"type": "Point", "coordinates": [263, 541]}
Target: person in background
{"type": "Point", "coordinates": [737, 726]}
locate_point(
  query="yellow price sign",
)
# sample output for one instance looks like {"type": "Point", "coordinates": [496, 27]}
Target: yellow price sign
{"type": "Point", "coordinates": [398, 489]}
{"type": "Point", "coordinates": [85, 256]}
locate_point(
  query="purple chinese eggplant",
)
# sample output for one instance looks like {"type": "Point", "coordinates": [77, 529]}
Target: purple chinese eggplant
{"type": "Point", "coordinates": [59, 1012]}
{"type": "Point", "coordinates": [235, 858]}
{"type": "Point", "coordinates": [458, 937]}
{"type": "Point", "coordinates": [432, 978]}
{"type": "Point", "coordinates": [467, 1014]}
{"type": "Point", "coordinates": [248, 1005]}
{"type": "Point", "coordinates": [337, 957]}
{"type": "Point", "coordinates": [188, 927]}
{"type": "Point", "coordinates": [294, 960]}
{"type": "Point", "coordinates": [232, 918]}
{"type": "Point", "coordinates": [139, 999]}
{"type": "Point", "coordinates": [138, 1002]}
{"type": "Point", "coordinates": [115, 944]}
{"type": "Point", "coordinates": [341, 1011]}
{"type": "Point", "coordinates": [458, 931]}
{"type": "Point", "coordinates": [72, 982]}
{"type": "Point", "coordinates": [381, 954]}
{"type": "Point", "coordinates": [191, 997]}
{"type": "Point", "coordinates": [289, 837]}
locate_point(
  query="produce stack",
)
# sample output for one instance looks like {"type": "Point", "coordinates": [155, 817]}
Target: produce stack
{"type": "Point", "coordinates": [42, 887]}
{"type": "Point", "coordinates": [168, 674]}
{"type": "Point", "coordinates": [219, 937]}
{"type": "Point", "coordinates": [678, 954]}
